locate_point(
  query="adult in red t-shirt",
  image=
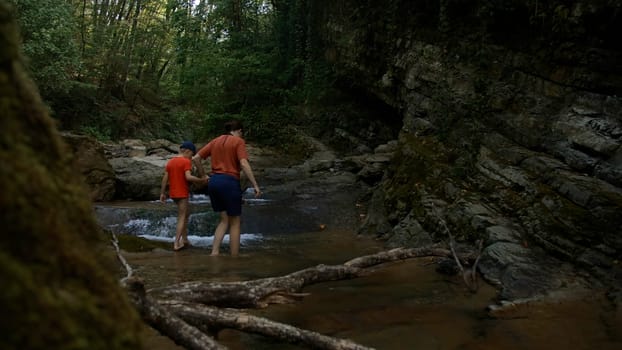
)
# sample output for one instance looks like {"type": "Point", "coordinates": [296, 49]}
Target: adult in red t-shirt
{"type": "Point", "coordinates": [228, 157]}
{"type": "Point", "coordinates": [177, 173]}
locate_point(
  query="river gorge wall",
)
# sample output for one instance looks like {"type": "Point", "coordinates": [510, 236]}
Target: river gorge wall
{"type": "Point", "coordinates": [511, 128]}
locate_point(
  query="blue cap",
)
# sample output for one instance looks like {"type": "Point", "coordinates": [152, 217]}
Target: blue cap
{"type": "Point", "coordinates": [189, 145]}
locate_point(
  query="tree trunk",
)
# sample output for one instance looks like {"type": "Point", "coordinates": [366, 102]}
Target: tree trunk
{"type": "Point", "coordinates": [218, 318]}
{"type": "Point", "coordinates": [258, 293]}
{"type": "Point", "coordinates": [166, 322]}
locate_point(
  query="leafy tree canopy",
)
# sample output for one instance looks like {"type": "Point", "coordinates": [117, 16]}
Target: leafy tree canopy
{"type": "Point", "coordinates": [172, 68]}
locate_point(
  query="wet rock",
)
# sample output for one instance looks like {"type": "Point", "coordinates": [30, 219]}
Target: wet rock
{"type": "Point", "coordinates": [389, 147]}
{"type": "Point", "coordinates": [447, 266]}
{"type": "Point", "coordinates": [523, 272]}
{"type": "Point", "coordinates": [162, 148]}
{"type": "Point", "coordinates": [590, 131]}
{"type": "Point", "coordinates": [375, 222]}
{"type": "Point", "coordinates": [611, 170]}
{"type": "Point", "coordinates": [373, 166]}
{"type": "Point", "coordinates": [418, 126]}
{"type": "Point", "coordinates": [272, 176]}
{"type": "Point", "coordinates": [136, 148]}
{"type": "Point", "coordinates": [90, 158]}
{"type": "Point", "coordinates": [585, 191]}
{"type": "Point", "coordinates": [592, 257]}
{"type": "Point", "coordinates": [502, 234]}
{"type": "Point", "coordinates": [408, 233]}
{"type": "Point", "coordinates": [137, 178]}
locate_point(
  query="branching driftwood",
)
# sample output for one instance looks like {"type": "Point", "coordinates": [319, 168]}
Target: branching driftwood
{"type": "Point", "coordinates": [189, 312]}
{"type": "Point", "coordinates": [166, 321]}
{"type": "Point", "coordinates": [200, 315]}
{"type": "Point", "coordinates": [469, 275]}
{"type": "Point", "coordinates": [257, 293]}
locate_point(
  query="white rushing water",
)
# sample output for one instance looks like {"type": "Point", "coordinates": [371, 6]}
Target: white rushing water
{"type": "Point", "coordinates": [206, 241]}
{"type": "Point", "coordinates": [261, 218]}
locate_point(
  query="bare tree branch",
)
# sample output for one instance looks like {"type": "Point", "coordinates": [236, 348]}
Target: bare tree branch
{"type": "Point", "coordinates": [201, 315]}
{"type": "Point", "coordinates": [167, 322]}
{"type": "Point", "coordinates": [193, 310]}
{"type": "Point", "coordinates": [469, 275]}
{"type": "Point", "coordinates": [257, 293]}
{"type": "Point", "coordinates": [128, 268]}
{"type": "Point", "coordinates": [395, 255]}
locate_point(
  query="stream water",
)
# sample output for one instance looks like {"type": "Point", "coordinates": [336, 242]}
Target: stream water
{"type": "Point", "coordinates": [405, 305]}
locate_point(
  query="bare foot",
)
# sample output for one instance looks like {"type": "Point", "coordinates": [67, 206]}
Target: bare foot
{"type": "Point", "coordinates": [215, 254]}
{"type": "Point", "coordinates": [177, 247]}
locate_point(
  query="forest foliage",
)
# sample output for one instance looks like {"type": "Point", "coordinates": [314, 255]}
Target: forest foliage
{"type": "Point", "coordinates": [172, 68]}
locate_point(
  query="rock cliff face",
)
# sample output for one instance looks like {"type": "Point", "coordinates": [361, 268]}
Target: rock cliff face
{"type": "Point", "coordinates": [512, 128]}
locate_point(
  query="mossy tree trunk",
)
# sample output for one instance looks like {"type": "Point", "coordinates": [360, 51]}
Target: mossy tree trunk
{"type": "Point", "coordinates": [59, 286]}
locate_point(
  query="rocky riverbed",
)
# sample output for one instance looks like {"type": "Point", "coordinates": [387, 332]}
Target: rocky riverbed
{"type": "Point", "coordinates": [340, 191]}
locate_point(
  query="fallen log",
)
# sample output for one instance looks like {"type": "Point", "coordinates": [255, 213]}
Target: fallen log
{"type": "Point", "coordinates": [256, 293]}
{"type": "Point", "coordinates": [202, 315]}
{"type": "Point", "coordinates": [187, 312]}
{"type": "Point", "coordinates": [284, 289]}
{"type": "Point", "coordinates": [166, 322]}
{"type": "Point", "coordinates": [158, 317]}
{"type": "Point", "coordinates": [396, 255]}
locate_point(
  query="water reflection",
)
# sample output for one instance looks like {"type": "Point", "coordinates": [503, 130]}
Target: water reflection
{"type": "Point", "coordinates": [405, 305]}
{"type": "Point", "coordinates": [157, 221]}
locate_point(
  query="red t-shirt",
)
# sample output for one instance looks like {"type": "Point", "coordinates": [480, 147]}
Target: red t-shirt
{"type": "Point", "coordinates": [177, 183]}
{"type": "Point", "coordinates": [225, 151]}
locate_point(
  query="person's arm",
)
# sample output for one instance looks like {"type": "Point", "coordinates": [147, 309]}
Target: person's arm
{"type": "Point", "coordinates": [192, 178]}
{"type": "Point", "coordinates": [197, 160]}
{"type": "Point", "coordinates": [246, 167]}
{"type": "Point", "coordinates": [163, 187]}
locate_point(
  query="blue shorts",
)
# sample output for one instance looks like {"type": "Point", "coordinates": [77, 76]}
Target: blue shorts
{"type": "Point", "coordinates": [225, 194]}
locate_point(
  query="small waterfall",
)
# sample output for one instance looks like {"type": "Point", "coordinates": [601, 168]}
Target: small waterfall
{"type": "Point", "coordinates": [157, 221]}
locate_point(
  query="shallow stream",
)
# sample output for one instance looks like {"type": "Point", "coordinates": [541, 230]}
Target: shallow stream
{"type": "Point", "coordinates": [405, 305]}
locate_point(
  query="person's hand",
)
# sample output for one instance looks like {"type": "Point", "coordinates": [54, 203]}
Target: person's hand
{"type": "Point", "coordinates": [162, 197]}
{"type": "Point", "coordinates": [257, 192]}
{"type": "Point", "coordinates": [203, 181]}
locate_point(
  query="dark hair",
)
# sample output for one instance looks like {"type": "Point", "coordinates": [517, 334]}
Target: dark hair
{"type": "Point", "coordinates": [233, 125]}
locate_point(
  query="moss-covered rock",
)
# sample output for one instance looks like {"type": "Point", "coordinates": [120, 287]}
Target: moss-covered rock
{"type": "Point", "coordinates": [136, 244]}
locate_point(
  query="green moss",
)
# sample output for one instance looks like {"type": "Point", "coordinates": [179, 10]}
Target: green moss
{"type": "Point", "coordinates": [58, 288]}
{"type": "Point", "coordinates": [131, 243]}
{"type": "Point", "coordinates": [421, 163]}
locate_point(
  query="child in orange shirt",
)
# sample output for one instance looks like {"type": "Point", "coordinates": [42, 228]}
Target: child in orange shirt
{"type": "Point", "coordinates": [177, 174]}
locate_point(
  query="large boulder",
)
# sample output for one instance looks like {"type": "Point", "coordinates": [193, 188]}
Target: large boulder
{"type": "Point", "coordinates": [138, 178]}
{"type": "Point", "coordinates": [89, 157]}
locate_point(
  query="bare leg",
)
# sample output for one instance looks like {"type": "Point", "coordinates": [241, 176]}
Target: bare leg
{"type": "Point", "coordinates": [184, 232]}
{"type": "Point", "coordinates": [234, 235]}
{"type": "Point", "coordinates": [219, 234]}
{"type": "Point", "coordinates": [182, 218]}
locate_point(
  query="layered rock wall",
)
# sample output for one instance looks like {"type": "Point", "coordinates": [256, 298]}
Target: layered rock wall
{"type": "Point", "coordinates": [512, 126]}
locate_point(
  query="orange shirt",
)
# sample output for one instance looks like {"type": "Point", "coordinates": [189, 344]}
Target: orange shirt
{"type": "Point", "coordinates": [177, 183]}
{"type": "Point", "coordinates": [225, 152]}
